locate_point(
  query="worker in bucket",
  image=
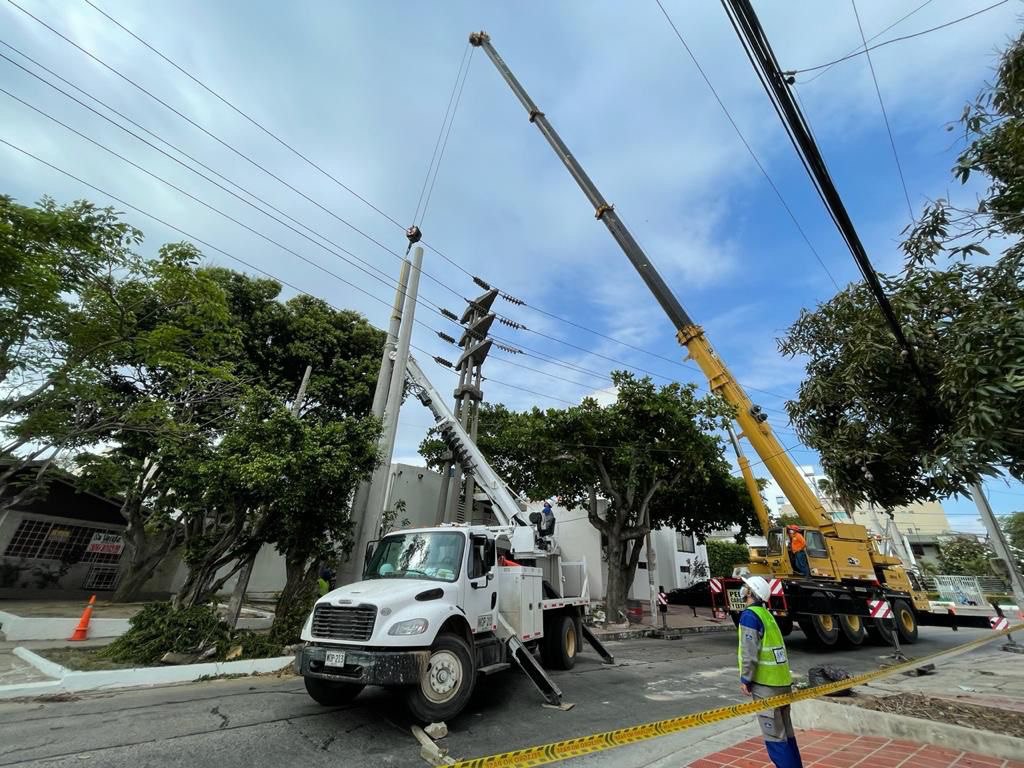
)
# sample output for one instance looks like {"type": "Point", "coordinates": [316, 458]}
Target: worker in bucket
{"type": "Point", "coordinates": [764, 671]}
{"type": "Point", "coordinates": [798, 548]}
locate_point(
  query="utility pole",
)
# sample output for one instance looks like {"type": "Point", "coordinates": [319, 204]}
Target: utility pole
{"type": "Point", "coordinates": [652, 565]}
{"type": "Point", "coordinates": [238, 596]}
{"type": "Point", "coordinates": [476, 322]}
{"type": "Point", "coordinates": [396, 388]}
{"type": "Point", "coordinates": [998, 541]}
{"type": "Point", "coordinates": [347, 573]}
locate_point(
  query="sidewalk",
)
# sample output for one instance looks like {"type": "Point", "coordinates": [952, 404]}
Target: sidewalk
{"type": "Point", "coordinates": [15, 671]}
{"type": "Point", "coordinates": [681, 621]}
{"type": "Point", "coordinates": [827, 749]}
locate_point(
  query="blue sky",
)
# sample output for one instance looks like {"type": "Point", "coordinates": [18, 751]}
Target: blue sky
{"type": "Point", "coordinates": [361, 88]}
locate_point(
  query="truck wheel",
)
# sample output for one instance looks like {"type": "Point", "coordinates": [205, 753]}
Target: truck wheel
{"type": "Point", "coordinates": [906, 621]}
{"type": "Point", "coordinates": [331, 693]}
{"type": "Point", "coordinates": [562, 645]}
{"type": "Point", "coordinates": [447, 682]}
{"type": "Point", "coordinates": [821, 629]}
{"type": "Point", "coordinates": [785, 625]}
{"type": "Point", "coordinates": [880, 631]}
{"type": "Point", "coordinates": [853, 630]}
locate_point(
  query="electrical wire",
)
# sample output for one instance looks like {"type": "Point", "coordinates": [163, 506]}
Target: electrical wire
{"type": "Point", "coordinates": [885, 116]}
{"type": "Point", "coordinates": [759, 51]}
{"type": "Point", "coordinates": [321, 170]}
{"type": "Point", "coordinates": [864, 49]}
{"type": "Point", "coordinates": [746, 144]}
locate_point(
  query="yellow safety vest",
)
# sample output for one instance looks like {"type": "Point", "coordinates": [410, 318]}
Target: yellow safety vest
{"type": "Point", "coordinates": [772, 661]}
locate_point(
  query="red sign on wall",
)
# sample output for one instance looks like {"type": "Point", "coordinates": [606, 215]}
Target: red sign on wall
{"type": "Point", "coordinates": [105, 544]}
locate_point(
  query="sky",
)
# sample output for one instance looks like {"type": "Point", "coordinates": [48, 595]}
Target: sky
{"type": "Point", "coordinates": [361, 89]}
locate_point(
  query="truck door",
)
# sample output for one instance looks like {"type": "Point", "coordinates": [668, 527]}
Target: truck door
{"type": "Point", "coordinates": [480, 600]}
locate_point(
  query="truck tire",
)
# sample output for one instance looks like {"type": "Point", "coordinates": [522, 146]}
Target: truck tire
{"type": "Point", "coordinates": [880, 631]}
{"type": "Point", "coordinates": [562, 643]}
{"type": "Point", "coordinates": [447, 682]}
{"type": "Point", "coordinates": [785, 625]}
{"type": "Point", "coordinates": [906, 621]}
{"type": "Point", "coordinates": [821, 629]}
{"type": "Point", "coordinates": [330, 693]}
{"type": "Point", "coordinates": [853, 630]}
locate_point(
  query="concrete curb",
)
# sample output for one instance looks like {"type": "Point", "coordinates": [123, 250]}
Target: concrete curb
{"type": "Point", "coordinates": [70, 680]}
{"type": "Point", "coordinates": [49, 628]}
{"type": "Point", "coordinates": [661, 634]}
{"type": "Point", "coordinates": [849, 718]}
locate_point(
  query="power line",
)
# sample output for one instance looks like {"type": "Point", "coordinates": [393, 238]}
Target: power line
{"type": "Point", "coordinates": [759, 51]}
{"type": "Point", "coordinates": [864, 49]}
{"type": "Point", "coordinates": [885, 116]}
{"type": "Point", "coordinates": [437, 144]}
{"type": "Point", "coordinates": [746, 144]}
{"type": "Point", "coordinates": [320, 169]}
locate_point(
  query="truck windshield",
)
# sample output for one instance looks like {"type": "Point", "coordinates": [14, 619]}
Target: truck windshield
{"type": "Point", "coordinates": [431, 556]}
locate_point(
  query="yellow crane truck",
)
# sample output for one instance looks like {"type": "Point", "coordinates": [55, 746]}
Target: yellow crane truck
{"type": "Point", "coordinates": [850, 578]}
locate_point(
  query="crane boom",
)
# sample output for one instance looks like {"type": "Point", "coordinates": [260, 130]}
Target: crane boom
{"type": "Point", "coordinates": [751, 418]}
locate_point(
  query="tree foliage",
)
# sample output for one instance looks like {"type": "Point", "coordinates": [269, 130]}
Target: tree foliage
{"type": "Point", "coordinates": [964, 556]}
{"type": "Point", "coordinates": [884, 436]}
{"type": "Point", "coordinates": [723, 556]}
{"type": "Point", "coordinates": [650, 456]}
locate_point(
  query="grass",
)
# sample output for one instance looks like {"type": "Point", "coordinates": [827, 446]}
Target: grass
{"type": "Point", "coordinates": [82, 659]}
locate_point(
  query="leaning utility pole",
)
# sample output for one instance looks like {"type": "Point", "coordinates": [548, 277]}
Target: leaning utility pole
{"type": "Point", "coordinates": [242, 584]}
{"type": "Point", "coordinates": [347, 572]}
{"type": "Point", "coordinates": [396, 388]}
{"type": "Point", "coordinates": [998, 541]}
{"type": "Point", "coordinates": [476, 321]}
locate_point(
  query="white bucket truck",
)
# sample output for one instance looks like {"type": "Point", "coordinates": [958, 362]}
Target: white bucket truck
{"type": "Point", "coordinates": [438, 608]}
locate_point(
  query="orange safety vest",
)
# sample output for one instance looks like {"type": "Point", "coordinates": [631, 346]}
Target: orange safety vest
{"type": "Point", "coordinates": [797, 543]}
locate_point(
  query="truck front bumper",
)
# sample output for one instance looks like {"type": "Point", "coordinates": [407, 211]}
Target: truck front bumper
{"type": "Point", "coordinates": [365, 666]}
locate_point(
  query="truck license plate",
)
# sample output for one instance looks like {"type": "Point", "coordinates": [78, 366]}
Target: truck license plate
{"type": "Point", "coordinates": [335, 659]}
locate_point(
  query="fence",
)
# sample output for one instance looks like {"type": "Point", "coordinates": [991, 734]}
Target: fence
{"type": "Point", "coordinates": [986, 585]}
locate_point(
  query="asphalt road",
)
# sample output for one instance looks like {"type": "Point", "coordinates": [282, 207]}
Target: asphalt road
{"type": "Point", "coordinates": [269, 721]}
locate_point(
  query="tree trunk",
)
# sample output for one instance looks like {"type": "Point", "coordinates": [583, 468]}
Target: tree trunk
{"type": "Point", "coordinates": [617, 587]}
{"type": "Point", "coordinates": [296, 600]}
{"type": "Point", "coordinates": [145, 552]}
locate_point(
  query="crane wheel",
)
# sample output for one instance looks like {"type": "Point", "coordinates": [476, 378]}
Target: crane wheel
{"type": "Point", "coordinates": [821, 629]}
{"type": "Point", "coordinates": [785, 625]}
{"type": "Point", "coordinates": [854, 630]}
{"type": "Point", "coordinates": [906, 621]}
{"type": "Point", "coordinates": [880, 631]}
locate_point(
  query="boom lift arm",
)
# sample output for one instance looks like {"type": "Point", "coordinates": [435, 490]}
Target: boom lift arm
{"type": "Point", "coordinates": [505, 504]}
{"type": "Point", "coordinates": [751, 418]}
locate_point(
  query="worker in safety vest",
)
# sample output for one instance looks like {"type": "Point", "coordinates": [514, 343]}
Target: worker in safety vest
{"type": "Point", "coordinates": [798, 546]}
{"type": "Point", "coordinates": [764, 671]}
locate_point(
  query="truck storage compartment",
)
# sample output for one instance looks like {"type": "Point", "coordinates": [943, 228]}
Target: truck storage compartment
{"type": "Point", "coordinates": [521, 591]}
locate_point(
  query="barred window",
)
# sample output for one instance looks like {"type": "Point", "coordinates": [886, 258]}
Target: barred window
{"type": "Point", "coordinates": [45, 540]}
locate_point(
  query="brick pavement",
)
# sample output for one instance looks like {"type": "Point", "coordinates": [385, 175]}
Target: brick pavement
{"type": "Point", "coordinates": [827, 749]}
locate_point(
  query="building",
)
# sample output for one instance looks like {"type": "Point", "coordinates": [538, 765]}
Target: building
{"type": "Point", "coordinates": [60, 542]}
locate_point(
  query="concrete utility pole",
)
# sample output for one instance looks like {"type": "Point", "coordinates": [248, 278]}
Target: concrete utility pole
{"type": "Point", "coordinates": [396, 388]}
{"type": "Point", "coordinates": [477, 321]}
{"type": "Point", "coordinates": [242, 584]}
{"type": "Point", "coordinates": [998, 541]}
{"type": "Point", "coordinates": [347, 571]}
{"type": "Point", "coordinates": [652, 566]}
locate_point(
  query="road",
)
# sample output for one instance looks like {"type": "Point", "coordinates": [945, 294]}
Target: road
{"type": "Point", "coordinates": [269, 721]}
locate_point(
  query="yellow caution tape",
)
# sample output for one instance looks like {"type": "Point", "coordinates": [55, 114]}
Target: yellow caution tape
{"type": "Point", "coordinates": [544, 754]}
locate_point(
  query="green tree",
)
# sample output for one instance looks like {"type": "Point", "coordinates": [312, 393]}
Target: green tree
{"type": "Point", "coordinates": [723, 556]}
{"type": "Point", "coordinates": [884, 437]}
{"type": "Point", "coordinates": [1013, 527]}
{"type": "Point", "coordinates": [964, 556]}
{"type": "Point", "coordinates": [650, 456]}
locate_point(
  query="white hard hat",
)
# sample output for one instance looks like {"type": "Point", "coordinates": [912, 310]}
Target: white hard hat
{"type": "Point", "coordinates": [759, 587]}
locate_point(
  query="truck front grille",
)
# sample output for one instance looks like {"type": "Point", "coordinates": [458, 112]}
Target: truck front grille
{"type": "Point", "coordinates": [334, 622]}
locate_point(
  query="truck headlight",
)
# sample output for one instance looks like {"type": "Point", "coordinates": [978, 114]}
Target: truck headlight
{"type": "Point", "coordinates": [410, 627]}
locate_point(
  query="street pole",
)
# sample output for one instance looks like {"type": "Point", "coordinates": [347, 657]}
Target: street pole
{"type": "Point", "coordinates": [652, 564]}
{"type": "Point", "coordinates": [238, 595]}
{"type": "Point", "coordinates": [998, 541]}
{"type": "Point", "coordinates": [347, 572]}
{"type": "Point", "coordinates": [396, 388]}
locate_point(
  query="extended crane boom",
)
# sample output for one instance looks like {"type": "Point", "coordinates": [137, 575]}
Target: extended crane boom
{"type": "Point", "coordinates": [750, 417]}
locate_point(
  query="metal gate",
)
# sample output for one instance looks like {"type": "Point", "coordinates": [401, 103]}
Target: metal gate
{"type": "Point", "coordinates": [962, 590]}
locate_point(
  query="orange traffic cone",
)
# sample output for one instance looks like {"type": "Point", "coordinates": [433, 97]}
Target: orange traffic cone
{"type": "Point", "coordinates": [83, 623]}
